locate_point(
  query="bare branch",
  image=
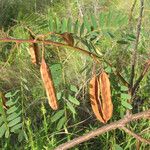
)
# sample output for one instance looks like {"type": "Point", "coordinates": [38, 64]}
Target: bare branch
{"type": "Point", "coordinates": [138, 137]}
{"type": "Point", "coordinates": [112, 126]}
{"type": "Point", "coordinates": [49, 42]}
{"type": "Point", "coordinates": [134, 59]}
{"type": "Point", "coordinates": [131, 12]}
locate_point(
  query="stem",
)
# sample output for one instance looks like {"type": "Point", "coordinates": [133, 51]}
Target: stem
{"type": "Point", "coordinates": [134, 59]}
{"type": "Point", "coordinates": [145, 70]}
{"type": "Point", "coordinates": [131, 12]}
{"type": "Point", "coordinates": [138, 137]}
{"type": "Point", "coordinates": [112, 126]}
{"type": "Point", "coordinates": [49, 42]}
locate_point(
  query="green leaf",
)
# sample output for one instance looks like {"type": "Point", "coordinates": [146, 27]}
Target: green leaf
{"type": "Point", "coordinates": [93, 20]}
{"type": "Point", "coordinates": [69, 25]}
{"type": "Point", "coordinates": [111, 35]}
{"type": "Point", "coordinates": [126, 104]}
{"type": "Point", "coordinates": [15, 93]}
{"type": "Point", "coordinates": [73, 88]}
{"type": "Point", "coordinates": [57, 22]}
{"type": "Point", "coordinates": [92, 36]}
{"type": "Point", "coordinates": [13, 116]}
{"type": "Point", "coordinates": [76, 26]}
{"type": "Point", "coordinates": [108, 69]}
{"type": "Point", "coordinates": [64, 25]}
{"type": "Point", "coordinates": [14, 122]}
{"type": "Point", "coordinates": [87, 24]}
{"type": "Point", "coordinates": [21, 136]}
{"type": "Point", "coordinates": [61, 123]}
{"type": "Point", "coordinates": [12, 109]}
{"type": "Point", "coordinates": [122, 42]}
{"type": "Point", "coordinates": [51, 24]}
{"type": "Point", "coordinates": [24, 80]}
{"type": "Point", "coordinates": [2, 130]}
{"type": "Point", "coordinates": [71, 107]}
{"type": "Point", "coordinates": [124, 88]}
{"type": "Point", "coordinates": [1, 106]}
{"type": "Point", "coordinates": [122, 111]}
{"type": "Point", "coordinates": [59, 94]}
{"type": "Point", "coordinates": [1, 120]}
{"type": "Point", "coordinates": [12, 102]}
{"type": "Point", "coordinates": [84, 69]}
{"type": "Point", "coordinates": [82, 29]}
{"type": "Point", "coordinates": [16, 127]}
{"type": "Point", "coordinates": [7, 133]}
{"type": "Point", "coordinates": [87, 43]}
{"type": "Point", "coordinates": [57, 115]}
{"type": "Point", "coordinates": [117, 147]}
{"type": "Point", "coordinates": [125, 96]}
{"type": "Point", "coordinates": [0, 100]}
{"type": "Point", "coordinates": [25, 87]}
{"type": "Point", "coordinates": [56, 70]}
{"type": "Point", "coordinates": [8, 95]}
{"type": "Point", "coordinates": [73, 100]}
{"type": "Point", "coordinates": [102, 20]}
{"type": "Point", "coordinates": [131, 37]}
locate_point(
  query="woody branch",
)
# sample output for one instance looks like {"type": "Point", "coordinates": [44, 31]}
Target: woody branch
{"type": "Point", "coordinates": [120, 124]}
{"type": "Point", "coordinates": [57, 44]}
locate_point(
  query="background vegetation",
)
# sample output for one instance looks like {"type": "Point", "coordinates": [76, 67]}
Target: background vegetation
{"type": "Point", "coordinates": [113, 37]}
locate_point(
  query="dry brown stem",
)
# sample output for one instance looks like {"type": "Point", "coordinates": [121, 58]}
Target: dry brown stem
{"type": "Point", "coordinates": [112, 126]}
{"type": "Point", "coordinates": [134, 57]}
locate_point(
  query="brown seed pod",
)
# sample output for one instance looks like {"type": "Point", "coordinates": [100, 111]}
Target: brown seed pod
{"type": "Point", "coordinates": [48, 84]}
{"type": "Point", "coordinates": [68, 38]}
{"type": "Point", "coordinates": [34, 55]}
{"type": "Point", "coordinates": [34, 51]}
{"type": "Point", "coordinates": [100, 96]}
{"type": "Point", "coordinates": [4, 100]}
{"type": "Point", "coordinates": [105, 92]}
{"type": "Point", "coordinates": [95, 99]}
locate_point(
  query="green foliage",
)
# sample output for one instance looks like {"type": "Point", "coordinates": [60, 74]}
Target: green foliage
{"type": "Point", "coordinates": [10, 119]}
{"type": "Point", "coordinates": [71, 103]}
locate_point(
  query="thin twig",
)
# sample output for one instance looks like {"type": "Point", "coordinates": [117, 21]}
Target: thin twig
{"type": "Point", "coordinates": [132, 9]}
{"type": "Point", "coordinates": [145, 70]}
{"type": "Point", "coordinates": [112, 126]}
{"type": "Point", "coordinates": [49, 42]}
{"type": "Point", "coordinates": [134, 59]}
{"type": "Point", "coordinates": [138, 137]}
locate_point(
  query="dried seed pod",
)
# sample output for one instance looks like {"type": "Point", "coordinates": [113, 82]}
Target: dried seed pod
{"type": "Point", "coordinates": [100, 96]}
{"type": "Point", "coordinates": [105, 92]}
{"type": "Point", "coordinates": [34, 55]}
{"type": "Point", "coordinates": [68, 38]}
{"type": "Point", "coordinates": [95, 99]}
{"type": "Point", "coordinates": [34, 51]}
{"type": "Point", "coordinates": [48, 84]}
{"type": "Point", "coordinates": [2, 96]}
